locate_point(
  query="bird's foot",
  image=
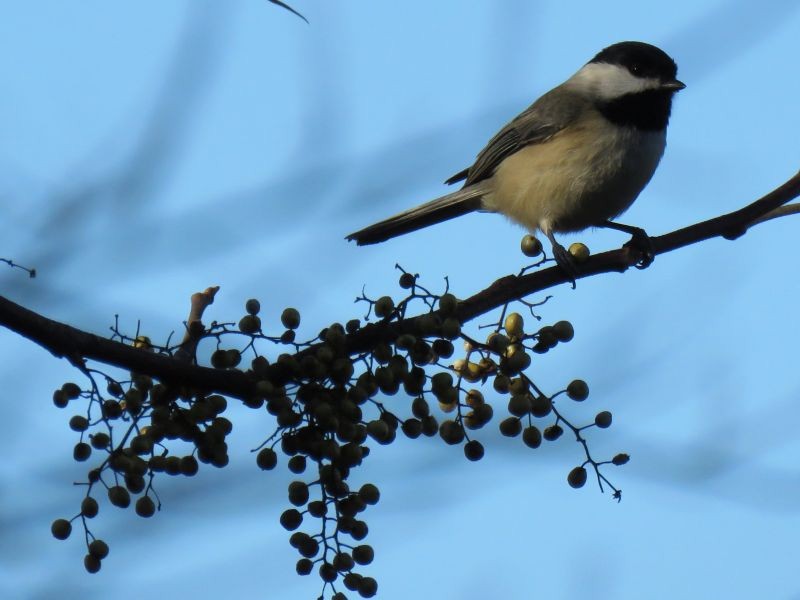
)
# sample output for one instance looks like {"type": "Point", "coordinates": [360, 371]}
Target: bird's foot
{"type": "Point", "coordinates": [567, 263]}
{"type": "Point", "coordinates": [641, 241]}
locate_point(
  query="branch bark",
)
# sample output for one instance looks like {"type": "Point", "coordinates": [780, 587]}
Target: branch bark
{"type": "Point", "coordinates": [75, 345]}
{"type": "Point", "coordinates": [65, 341]}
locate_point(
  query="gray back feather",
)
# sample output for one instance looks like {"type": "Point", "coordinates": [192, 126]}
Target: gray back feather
{"type": "Point", "coordinates": [536, 124]}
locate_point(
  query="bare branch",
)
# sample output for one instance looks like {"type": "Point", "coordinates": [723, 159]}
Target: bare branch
{"type": "Point", "coordinates": [194, 326]}
{"type": "Point", "coordinates": [76, 345]}
{"type": "Point", "coordinates": [783, 211]}
{"type": "Point", "coordinates": [31, 272]}
{"type": "Point", "coordinates": [71, 343]}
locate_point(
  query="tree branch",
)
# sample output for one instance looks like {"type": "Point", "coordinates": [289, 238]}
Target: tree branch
{"type": "Point", "coordinates": [511, 287]}
{"type": "Point", "coordinates": [76, 345]}
{"type": "Point", "coordinates": [68, 342]}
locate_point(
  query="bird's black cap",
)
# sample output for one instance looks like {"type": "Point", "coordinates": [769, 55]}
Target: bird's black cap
{"type": "Point", "coordinates": [642, 60]}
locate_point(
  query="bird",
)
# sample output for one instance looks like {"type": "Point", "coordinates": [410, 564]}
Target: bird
{"type": "Point", "coordinates": [576, 158]}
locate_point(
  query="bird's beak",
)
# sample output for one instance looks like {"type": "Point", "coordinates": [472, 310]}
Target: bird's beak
{"type": "Point", "coordinates": [673, 85]}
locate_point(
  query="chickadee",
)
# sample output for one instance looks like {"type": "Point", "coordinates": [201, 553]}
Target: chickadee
{"type": "Point", "coordinates": [576, 158]}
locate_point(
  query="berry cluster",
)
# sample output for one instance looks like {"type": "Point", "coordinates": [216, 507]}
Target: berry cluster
{"type": "Point", "coordinates": [129, 427]}
{"type": "Point", "coordinates": [328, 397]}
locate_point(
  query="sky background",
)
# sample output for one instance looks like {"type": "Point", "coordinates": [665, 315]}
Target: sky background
{"type": "Point", "coordinates": [150, 149]}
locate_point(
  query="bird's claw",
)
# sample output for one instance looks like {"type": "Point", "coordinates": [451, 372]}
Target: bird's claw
{"type": "Point", "coordinates": [641, 241]}
{"type": "Point", "coordinates": [567, 263]}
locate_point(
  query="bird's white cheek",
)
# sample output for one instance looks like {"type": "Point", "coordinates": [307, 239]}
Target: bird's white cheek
{"type": "Point", "coordinates": [607, 82]}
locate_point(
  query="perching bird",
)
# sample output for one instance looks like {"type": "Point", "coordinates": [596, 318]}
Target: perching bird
{"type": "Point", "coordinates": [576, 158]}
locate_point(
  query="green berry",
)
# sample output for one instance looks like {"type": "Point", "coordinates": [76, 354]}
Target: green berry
{"type": "Point", "coordinates": [420, 408]}
{"type": "Point", "coordinates": [351, 581]}
{"type": "Point", "coordinates": [79, 423]}
{"type": "Point", "coordinates": [580, 252]}
{"type": "Point", "coordinates": [252, 306]}
{"type": "Point", "coordinates": [119, 496]}
{"type": "Point", "coordinates": [309, 547]}
{"type": "Point", "coordinates": [369, 493]}
{"type": "Point", "coordinates": [234, 357]}
{"type": "Point", "coordinates": [60, 399]}
{"type": "Point", "coordinates": [71, 390]}
{"type": "Point", "coordinates": [363, 554]}
{"type": "Point", "coordinates": [407, 281]}
{"type": "Point", "coordinates": [448, 304]}
{"type": "Point", "coordinates": [553, 432]}
{"type": "Point", "coordinates": [412, 428]}
{"type": "Point", "coordinates": [91, 563]}
{"type": "Point", "coordinates": [359, 530]}
{"type": "Point", "coordinates": [603, 419]}
{"type": "Point", "coordinates": [297, 464]}
{"type": "Point", "coordinates": [249, 324]}
{"type": "Point", "coordinates": [98, 549]}
{"type": "Point", "coordinates": [532, 437]}
{"type": "Point", "coordinates": [430, 427]}
{"type": "Point", "coordinates": [267, 459]}
{"type": "Point", "coordinates": [514, 324]}
{"type": "Point", "coordinates": [298, 493]}
{"type": "Point", "coordinates": [473, 450]}
{"type": "Point", "coordinates": [291, 519]}
{"type": "Point", "coordinates": [327, 572]}
{"type": "Point", "coordinates": [367, 587]}
{"type": "Point", "coordinates": [501, 384]}
{"type": "Point", "coordinates": [517, 362]}
{"type": "Point", "coordinates": [443, 348]}
{"type": "Point", "coordinates": [114, 388]}
{"type": "Point", "coordinates": [89, 507]}
{"type": "Point", "coordinates": [441, 382]}
{"type": "Point", "coordinates": [563, 331]}
{"type": "Point", "coordinates": [142, 444]}
{"type": "Point", "coordinates": [317, 509]}
{"type": "Point", "coordinates": [82, 451]}
{"type": "Point", "coordinates": [378, 430]}
{"type": "Point", "coordinates": [384, 307]}
{"type": "Point", "coordinates": [61, 528]}
{"type": "Point", "coordinates": [620, 459]}
{"type": "Point", "coordinates": [343, 562]}
{"type": "Point", "coordinates": [451, 432]}
{"type": "Point", "coordinates": [530, 246]}
{"type": "Point", "coordinates": [498, 342]}
{"type": "Point", "coordinates": [219, 359]}
{"type": "Point", "coordinates": [541, 406]}
{"type": "Point", "coordinates": [145, 507]}
{"type": "Point", "coordinates": [510, 427]}
{"type": "Point", "coordinates": [100, 440]}
{"type": "Point", "coordinates": [519, 405]}
{"type": "Point", "coordinates": [290, 318]}
{"type": "Point", "coordinates": [304, 566]}
{"type": "Point", "coordinates": [578, 390]}
{"type": "Point", "coordinates": [577, 477]}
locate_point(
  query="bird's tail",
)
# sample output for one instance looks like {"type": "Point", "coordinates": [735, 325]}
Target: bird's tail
{"type": "Point", "coordinates": [441, 209]}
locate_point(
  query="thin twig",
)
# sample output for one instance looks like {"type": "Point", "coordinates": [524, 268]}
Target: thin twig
{"type": "Point", "coordinates": [289, 8]}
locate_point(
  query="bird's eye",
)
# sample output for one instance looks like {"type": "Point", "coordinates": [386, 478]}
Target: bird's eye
{"type": "Point", "coordinates": [636, 69]}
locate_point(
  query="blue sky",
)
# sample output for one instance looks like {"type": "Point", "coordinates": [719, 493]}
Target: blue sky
{"type": "Point", "coordinates": [150, 149]}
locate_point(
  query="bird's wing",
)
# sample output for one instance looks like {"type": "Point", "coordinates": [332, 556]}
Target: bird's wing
{"type": "Point", "coordinates": [536, 124]}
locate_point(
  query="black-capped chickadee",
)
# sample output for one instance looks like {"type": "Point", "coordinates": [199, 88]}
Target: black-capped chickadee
{"type": "Point", "coordinates": [576, 158]}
